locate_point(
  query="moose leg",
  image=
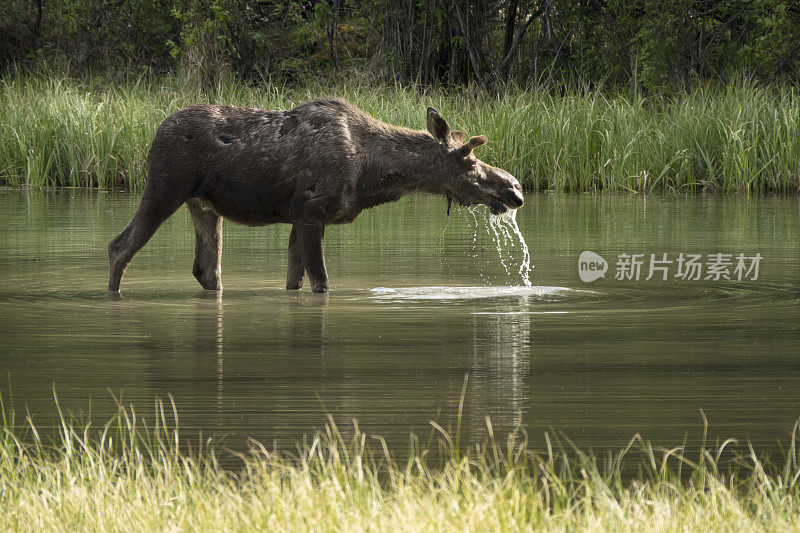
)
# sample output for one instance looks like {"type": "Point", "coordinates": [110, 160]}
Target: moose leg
{"type": "Point", "coordinates": [152, 212]}
{"type": "Point", "coordinates": [294, 274]}
{"type": "Point", "coordinates": [208, 246]}
{"type": "Point", "coordinates": [310, 234]}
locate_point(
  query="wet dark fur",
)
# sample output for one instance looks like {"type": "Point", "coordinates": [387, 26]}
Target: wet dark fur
{"type": "Point", "coordinates": [321, 163]}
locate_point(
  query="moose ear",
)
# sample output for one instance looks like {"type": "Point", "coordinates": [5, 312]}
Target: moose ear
{"type": "Point", "coordinates": [438, 126]}
{"type": "Point", "coordinates": [473, 143]}
{"type": "Point", "coordinates": [458, 136]}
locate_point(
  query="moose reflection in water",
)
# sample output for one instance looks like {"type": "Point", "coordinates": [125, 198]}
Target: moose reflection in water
{"type": "Point", "coordinates": [321, 163]}
{"type": "Point", "coordinates": [235, 374]}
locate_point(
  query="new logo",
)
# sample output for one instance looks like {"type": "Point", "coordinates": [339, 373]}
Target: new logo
{"type": "Point", "coordinates": [591, 266]}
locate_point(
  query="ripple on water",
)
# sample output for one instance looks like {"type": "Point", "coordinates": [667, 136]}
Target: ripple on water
{"type": "Point", "coordinates": [464, 293]}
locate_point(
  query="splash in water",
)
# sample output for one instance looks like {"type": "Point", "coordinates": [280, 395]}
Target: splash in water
{"type": "Point", "coordinates": [466, 293]}
{"type": "Point", "coordinates": [506, 232]}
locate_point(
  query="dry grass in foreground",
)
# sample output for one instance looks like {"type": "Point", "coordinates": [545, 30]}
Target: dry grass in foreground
{"type": "Point", "coordinates": [129, 477]}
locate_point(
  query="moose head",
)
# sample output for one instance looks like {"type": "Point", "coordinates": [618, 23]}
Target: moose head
{"type": "Point", "coordinates": [467, 179]}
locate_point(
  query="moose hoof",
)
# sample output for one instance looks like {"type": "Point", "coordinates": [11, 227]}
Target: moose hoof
{"type": "Point", "coordinates": [209, 283]}
{"type": "Point", "coordinates": [294, 284]}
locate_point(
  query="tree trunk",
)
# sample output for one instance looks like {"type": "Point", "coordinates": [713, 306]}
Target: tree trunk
{"type": "Point", "coordinates": [511, 21]}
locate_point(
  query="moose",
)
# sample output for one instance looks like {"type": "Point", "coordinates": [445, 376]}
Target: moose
{"type": "Point", "coordinates": [321, 163]}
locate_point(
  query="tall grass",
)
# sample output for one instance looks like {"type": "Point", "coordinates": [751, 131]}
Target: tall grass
{"type": "Point", "coordinates": [126, 476]}
{"type": "Point", "coordinates": [743, 137]}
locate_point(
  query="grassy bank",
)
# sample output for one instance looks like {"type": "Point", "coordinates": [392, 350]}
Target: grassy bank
{"type": "Point", "coordinates": [739, 138]}
{"type": "Point", "coordinates": [121, 477]}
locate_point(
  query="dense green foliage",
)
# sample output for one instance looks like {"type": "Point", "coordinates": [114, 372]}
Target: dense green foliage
{"type": "Point", "coordinates": [529, 73]}
{"type": "Point", "coordinates": [743, 137]}
{"type": "Point", "coordinates": [647, 44]}
{"type": "Point", "coordinates": [121, 477]}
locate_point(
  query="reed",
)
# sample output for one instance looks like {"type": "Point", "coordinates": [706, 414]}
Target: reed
{"type": "Point", "coordinates": [743, 137]}
{"type": "Point", "coordinates": [128, 475]}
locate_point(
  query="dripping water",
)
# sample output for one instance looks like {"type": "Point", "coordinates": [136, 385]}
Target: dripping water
{"type": "Point", "coordinates": [506, 232]}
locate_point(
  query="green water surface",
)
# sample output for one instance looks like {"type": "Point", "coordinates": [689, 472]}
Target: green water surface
{"type": "Point", "coordinates": [417, 302]}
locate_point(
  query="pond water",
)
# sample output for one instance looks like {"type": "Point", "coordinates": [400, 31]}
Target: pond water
{"type": "Point", "coordinates": [418, 301]}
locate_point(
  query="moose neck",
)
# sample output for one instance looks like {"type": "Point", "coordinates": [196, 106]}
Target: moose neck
{"type": "Point", "coordinates": [399, 161]}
